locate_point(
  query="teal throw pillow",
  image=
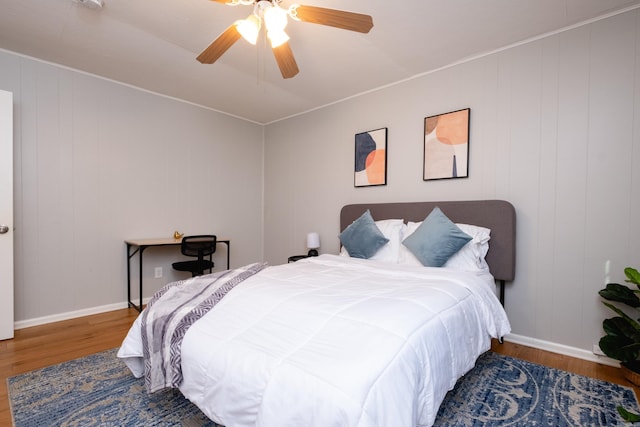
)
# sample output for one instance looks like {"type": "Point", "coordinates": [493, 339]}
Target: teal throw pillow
{"type": "Point", "coordinates": [362, 238]}
{"type": "Point", "coordinates": [436, 240]}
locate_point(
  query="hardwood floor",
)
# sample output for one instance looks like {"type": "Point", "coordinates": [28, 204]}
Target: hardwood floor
{"type": "Point", "coordinates": [46, 345]}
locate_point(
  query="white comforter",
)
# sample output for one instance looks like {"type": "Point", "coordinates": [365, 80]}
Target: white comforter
{"type": "Point", "coordinates": [335, 341]}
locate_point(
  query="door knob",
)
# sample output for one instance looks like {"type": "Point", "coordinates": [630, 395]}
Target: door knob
{"type": "Point", "coordinates": [4, 229]}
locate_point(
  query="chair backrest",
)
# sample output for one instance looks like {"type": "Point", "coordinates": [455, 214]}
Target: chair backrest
{"type": "Point", "coordinates": [199, 246]}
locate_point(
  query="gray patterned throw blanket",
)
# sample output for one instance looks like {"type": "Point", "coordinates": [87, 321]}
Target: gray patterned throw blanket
{"type": "Point", "coordinates": [171, 311]}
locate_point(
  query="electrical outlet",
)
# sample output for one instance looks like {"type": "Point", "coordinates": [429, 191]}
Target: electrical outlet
{"type": "Point", "coordinates": [158, 272]}
{"type": "Point", "coordinates": [597, 350]}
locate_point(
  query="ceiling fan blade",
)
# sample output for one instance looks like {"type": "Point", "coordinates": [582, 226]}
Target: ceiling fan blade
{"type": "Point", "coordinates": [286, 61]}
{"type": "Point", "coordinates": [219, 45]}
{"type": "Point", "coordinates": [335, 18]}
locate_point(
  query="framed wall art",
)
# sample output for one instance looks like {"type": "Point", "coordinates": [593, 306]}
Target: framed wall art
{"type": "Point", "coordinates": [371, 158]}
{"type": "Point", "coordinates": [446, 145]}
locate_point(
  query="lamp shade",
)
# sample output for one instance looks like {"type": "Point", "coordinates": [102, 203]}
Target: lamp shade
{"type": "Point", "coordinates": [249, 28]}
{"type": "Point", "coordinates": [275, 18]}
{"type": "Point", "coordinates": [313, 243]}
{"type": "Point", "coordinates": [277, 38]}
{"type": "Point", "coordinates": [313, 240]}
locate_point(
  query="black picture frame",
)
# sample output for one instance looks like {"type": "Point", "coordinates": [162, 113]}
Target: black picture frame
{"type": "Point", "coordinates": [446, 145]}
{"type": "Point", "coordinates": [370, 167]}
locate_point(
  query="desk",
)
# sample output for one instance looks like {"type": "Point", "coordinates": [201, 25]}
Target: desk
{"type": "Point", "coordinates": [139, 245]}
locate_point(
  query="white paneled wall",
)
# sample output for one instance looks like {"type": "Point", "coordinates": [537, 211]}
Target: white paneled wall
{"type": "Point", "coordinates": [555, 129]}
{"type": "Point", "coordinates": [97, 162]}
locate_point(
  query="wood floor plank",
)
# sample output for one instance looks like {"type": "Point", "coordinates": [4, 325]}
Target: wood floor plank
{"type": "Point", "coordinates": [46, 345]}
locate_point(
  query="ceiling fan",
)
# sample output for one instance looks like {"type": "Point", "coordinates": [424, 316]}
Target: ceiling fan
{"type": "Point", "coordinates": [275, 21]}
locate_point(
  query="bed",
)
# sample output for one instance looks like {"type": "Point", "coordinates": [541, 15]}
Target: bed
{"type": "Point", "coordinates": [499, 216]}
{"type": "Point", "coordinates": [334, 340]}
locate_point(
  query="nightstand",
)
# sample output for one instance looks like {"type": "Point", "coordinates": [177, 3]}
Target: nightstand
{"type": "Point", "coordinates": [295, 258]}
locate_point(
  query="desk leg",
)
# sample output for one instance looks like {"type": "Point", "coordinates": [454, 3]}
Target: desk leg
{"type": "Point", "coordinates": [142, 248]}
{"type": "Point", "coordinates": [228, 255]}
{"type": "Point", "coordinates": [129, 274]}
{"type": "Point", "coordinates": [129, 256]}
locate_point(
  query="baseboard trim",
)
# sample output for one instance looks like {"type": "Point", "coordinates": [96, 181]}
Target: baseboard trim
{"type": "Point", "coordinates": [561, 349]}
{"type": "Point", "coordinates": [21, 324]}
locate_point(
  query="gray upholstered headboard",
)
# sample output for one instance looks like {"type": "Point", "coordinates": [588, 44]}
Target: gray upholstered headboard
{"type": "Point", "coordinates": [497, 215]}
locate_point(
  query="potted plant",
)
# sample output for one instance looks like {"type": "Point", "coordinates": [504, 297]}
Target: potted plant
{"type": "Point", "coordinates": [622, 339]}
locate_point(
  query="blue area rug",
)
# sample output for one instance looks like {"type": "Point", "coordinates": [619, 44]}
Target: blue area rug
{"type": "Point", "coordinates": [97, 390]}
{"type": "Point", "coordinates": [504, 391]}
{"type": "Point", "coordinates": [500, 391]}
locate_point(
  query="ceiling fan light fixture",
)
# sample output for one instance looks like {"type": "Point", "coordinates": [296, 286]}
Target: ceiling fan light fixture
{"type": "Point", "coordinates": [275, 18]}
{"type": "Point", "coordinates": [249, 28]}
{"type": "Point", "coordinates": [277, 38]}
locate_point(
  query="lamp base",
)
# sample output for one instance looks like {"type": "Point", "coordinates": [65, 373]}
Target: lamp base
{"type": "Point", "coordinates": [312, 252]}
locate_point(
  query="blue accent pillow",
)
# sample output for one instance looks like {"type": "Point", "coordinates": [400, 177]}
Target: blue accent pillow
{"type": "Point", "coordinates": [436, 240]}
{"type": "Point", "coordinates": [362, 238]}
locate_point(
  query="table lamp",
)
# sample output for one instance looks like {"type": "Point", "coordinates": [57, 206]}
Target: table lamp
{"type": "Point", "coordinates": [313, 243]}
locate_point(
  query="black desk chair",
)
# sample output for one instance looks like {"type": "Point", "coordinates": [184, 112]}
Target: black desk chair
{"type": "Point", "coordinates": [197, 246]}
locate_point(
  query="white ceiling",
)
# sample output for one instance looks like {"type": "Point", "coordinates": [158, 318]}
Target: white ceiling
{"type": "Point", "coordinates": [152, 44]}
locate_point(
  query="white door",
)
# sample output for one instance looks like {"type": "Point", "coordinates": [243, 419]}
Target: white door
{"type": "Point", "coordinates": [6, 215]}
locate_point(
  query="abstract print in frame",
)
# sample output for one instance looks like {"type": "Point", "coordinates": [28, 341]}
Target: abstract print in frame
{"type": "Point", "coordinates": [446, 145]}
{"type": "Point", "coordinates": [371, 158]}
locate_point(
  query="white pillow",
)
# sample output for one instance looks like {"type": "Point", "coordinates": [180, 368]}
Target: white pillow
{"type": "Point", "coordinates": [469, 258]}
{"type": "Point", "coordinates": [406, 257]}
{"type": "Point", "coordinates": [392, 229]}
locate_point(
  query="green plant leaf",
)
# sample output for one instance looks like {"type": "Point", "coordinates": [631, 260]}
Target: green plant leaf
{"type": "Point", "coordinates": [619, 347]}
{"type": "Point", "coordinates": [622, 314]}
{"type": "Point", "coordinates": [620, 293]}
{"type": "Point", "coordinates": [619, 326]}
{"type": "Point", "coordinates": [632, 276]}
{"type": "Point", "coordinates": [628, 416]}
